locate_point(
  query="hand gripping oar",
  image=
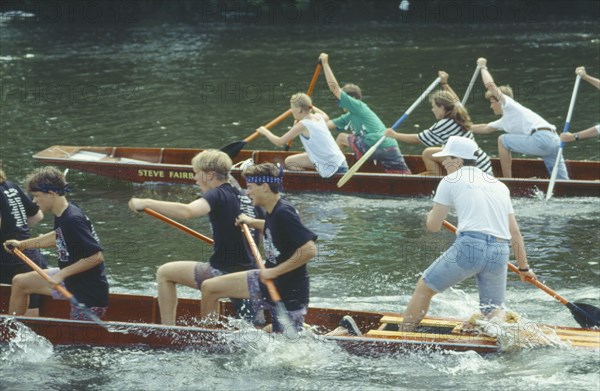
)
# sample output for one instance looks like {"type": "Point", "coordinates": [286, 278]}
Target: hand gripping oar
{"type": "Point", "coordinates": [61, 289]}
{"type": "Point", "coordinates": [562, 144]}
{"type": "Point", "coordinates": [289, 329]}
{"type": "Point", "coordinates": [585, 314]}
{"type": "Point", "coordinates": [470, 87]}
{"type": "Point", "coordinates": [309, 92]}
{"type": "Point", "coordinates": [175, 224]}
{"type": "Point", "coordinates": [372, 150]}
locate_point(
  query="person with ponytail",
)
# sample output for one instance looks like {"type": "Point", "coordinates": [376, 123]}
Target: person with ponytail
{"type": "Point", "coordinates": [322, 152]}
{"type": "Point", "coordinates": [452, 120]}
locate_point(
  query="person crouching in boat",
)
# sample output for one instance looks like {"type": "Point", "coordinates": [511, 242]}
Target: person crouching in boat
{"type": "Point", "coordinates": [80, 255]}
{"type": "Point", "coordinates": [222, 202]}
{"type": "Point", "coordinates": [486, 227]}
{"type": "Point", "coordinates": [364, 125]}
{"type": "Point", "coordinates": [526, 131]}
{"type": "Point", "coordinates": [452, 120]}
{"type": "Point", "coordinates": [288, 246]}
{"type": "Point", "coordinates": [322, 153]}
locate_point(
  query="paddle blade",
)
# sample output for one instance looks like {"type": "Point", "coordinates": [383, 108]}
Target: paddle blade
{"type": "Point", "coordinates": [585, 314]}
{"type": "Point", "coordinates": [287, 324]}
{"type": "Point", "coordinates": [234, 148]}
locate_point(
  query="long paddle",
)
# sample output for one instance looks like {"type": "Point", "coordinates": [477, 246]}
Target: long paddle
{"type": "Point", "coordinates": [562, 144]}
{"type": "Point", "coordinates": [470, 87]}
{"type": "Point", "coordinates": [287, 324]}
{"type": "Point", "coordinates": [61, 289]}
{"type": "Point", "coordinates": [175, 224]}
{"type": "Point", "coordinates": [309, 92]}
{"type": "Point", "coordinates": [585, 314]}
{"type": "Point", "coordinates": [234, 148]}
{"type": "Point", "coordinates": [372, 150]}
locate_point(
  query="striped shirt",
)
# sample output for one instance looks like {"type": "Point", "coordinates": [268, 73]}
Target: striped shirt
{"type": "Point", "coordinates": [441, 131]}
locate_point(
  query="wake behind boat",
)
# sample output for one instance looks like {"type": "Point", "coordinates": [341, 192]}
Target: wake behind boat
{"type": "Point", "coordinates": [172, 165]}
{"type": "Point", "coordinates": [133, 320]}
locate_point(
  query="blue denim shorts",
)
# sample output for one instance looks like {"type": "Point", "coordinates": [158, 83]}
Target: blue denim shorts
{"type": "Point", "coordinates": [260, 302]}
{"type": "Point", "coordinates": [473, 254]}
{"type": "Point", "coordinates": [542, 143]}
{"type": "Point", "coordinates": [390, 158]}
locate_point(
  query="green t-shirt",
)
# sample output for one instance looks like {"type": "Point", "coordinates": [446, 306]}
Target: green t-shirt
{"type": "Point", "coordinates": [362, 121]}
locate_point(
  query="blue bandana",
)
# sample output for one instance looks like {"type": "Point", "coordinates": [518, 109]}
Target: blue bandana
{"type": "Point", "coordinates": [260, 179]}
{"type": "Point", "coordinates": [46, 188]}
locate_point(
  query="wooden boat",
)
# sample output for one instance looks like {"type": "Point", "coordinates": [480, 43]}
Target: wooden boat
{"type": "Point", "coordinates": [172, 165]}
{"type": "Point", "coordinates": [132, 320]}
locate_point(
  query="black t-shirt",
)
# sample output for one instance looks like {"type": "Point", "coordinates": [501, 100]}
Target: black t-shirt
{"type": "Point", "coordinates": [15, 207]}
{"type": "Point", "coordinates": [284, 233]}
{"type": "Point", "coordinates": [77, 239]}
{"type": "Point", "coordinates": [231, 250]}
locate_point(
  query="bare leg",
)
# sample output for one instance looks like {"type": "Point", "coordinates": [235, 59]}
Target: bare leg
{"type": "Point", "coordinates": [505, 159]}
{"type": "Point", "coordinates": [433, 165]}
{"type": "Point", "coordinates": [342, 141]}
{"type": "Point", "coordinates": [418, 306]}
{"type": "Point", "coordinates": [169, 274]}
{"type": "Point", "coordinates": [299, 162]}
{"type": "Point", "coordinates": [24, 285]}
{"type": "Point", "coordinates": [32, 312]}
{"type": "Point", "coordinates": [234, 285]}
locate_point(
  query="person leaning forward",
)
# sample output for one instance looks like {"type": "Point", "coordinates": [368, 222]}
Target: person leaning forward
{"type": "Point", "coordinates": [365, 126]}
{"type": "Point", "coordinates": [288, 246]}
{"type": "Point", "coordinates": [526, 131]}
{"type": "Point", "coordinates": [486, 227]}
{"type": "Point", "coordinates": [222, 202]}
{"type": "Point", "coordinates": [80, 255]}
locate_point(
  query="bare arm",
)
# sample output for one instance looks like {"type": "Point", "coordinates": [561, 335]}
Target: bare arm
{"type": "Point", "coordinates": [446, 87]}
{"type": "Point", "coordinates": [300, 257]}
{"type": "Point", "coordinates": [519, 248]}
{"type": "Point", "coordinates": [581, 135]}
{"type": "Point", "coordinates": [174, 210]}
{"type": "Point", "coordinates": [43, 241]}
{"type": "Point", "coordinates": [402, 137]}
{"type": "Point", "coordinates": [250, 222]}
{"type": "Point", "coordinates": [592, 80]}
{"type": "Point", "coordinates": [482, 129]}
{"type": "Point", "coordinates": [436, 217]}
{"type": "Point", "coordinates": [323, 114]}
{"type": "Point", "coordinates": [329, 76]}
{"type": "Point", "coordinates": [78, 267]}
{"type": "Point", "coordinates": [283, 140]}
{"type": "Point", "coordinates": [33, 220]}
{"type": "Point", "coordinates": [488, 81]}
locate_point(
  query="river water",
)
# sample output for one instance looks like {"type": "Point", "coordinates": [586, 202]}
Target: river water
{"type": "Point", "coordinates": [168, 83]}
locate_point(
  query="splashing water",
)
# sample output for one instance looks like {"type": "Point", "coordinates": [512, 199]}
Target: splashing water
{"type": "Point", "coordinates": [24, 345]}
{"type": "Point", "coordinates": [520, 334]}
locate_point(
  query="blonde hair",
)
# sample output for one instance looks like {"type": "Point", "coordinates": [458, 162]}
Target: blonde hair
{"type": "Point", "coordinates": [506, 90]}
{"type": "Point", "coordinates": [453, 108]}
{"type": "Point", "coordinates": [213, 160]}
{"type": "Point", "coordinates": [45, 180]}
{"type": "Point", "coordinates": [2, 174]}
{"type": "Point", "coordinates": [302, 101]}
{"type": "Point", "coordinates": [353, 90]}
{"type": "Point", "coordinates": [264, 170]}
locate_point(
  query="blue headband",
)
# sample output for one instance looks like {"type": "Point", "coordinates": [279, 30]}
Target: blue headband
{"type": "Point", "coordinates": [260, 179]}
{"type": "Point", "coordinates": [46, 188]}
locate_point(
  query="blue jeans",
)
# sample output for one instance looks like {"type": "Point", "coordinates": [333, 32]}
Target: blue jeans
{"type": "Point", "coordinates": [542, 143]}
{"type": "Point", "coordinates": [473, 254]}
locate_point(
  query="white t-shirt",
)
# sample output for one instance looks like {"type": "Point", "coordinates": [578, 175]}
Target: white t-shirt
{"type": "Point", "coordinates": [518, 119]}
{"type": "Point", "coordinates": [321, 148]}
{"type": "Point", "coordinates": [481, 201]}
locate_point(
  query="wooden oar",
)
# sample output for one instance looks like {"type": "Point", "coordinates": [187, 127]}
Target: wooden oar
{"type": "Point", "coordinates": [372, 150]}
{"type": "Point", "coordinates": [309, 92]}
{"type": "Point", "coordinates": [562, 144]}
{"type": "Point", "coordinates": [175, 224]}
{"type": "Point", "coordinates": [287, 324]}
{"type": "Point", "coordinates": [61, 289]}
{"type": "Point", "coordinates": [585, 314]}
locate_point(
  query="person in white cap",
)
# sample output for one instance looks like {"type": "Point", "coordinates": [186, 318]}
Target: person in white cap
{"type": "Point", "coordinates": [486, 226]}
{"type": "Point", "coordinates": [526, 131]}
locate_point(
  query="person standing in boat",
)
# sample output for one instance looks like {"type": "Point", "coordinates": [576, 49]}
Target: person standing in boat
{"type": "Point", "coordinates": [288, 246]}
{"type": "Point", "coordinates": [322, 153]}
{"type": "Point", "coordinates": [486, 227]}
{"type": "Point", "coordinates": [594, 131]}
{"type": "Point", "coordinates": [364, 125]}
{"type": "Point", "coordinates": [452, 120]}
{"type": "Point", "coordinates": [17, 213]}
{"type": "Point", "coordinates": [526, 131]}
{"type": "Point", "coordinates": [80, 254]}
{"type": "Point", "coordinates": [222, 203]}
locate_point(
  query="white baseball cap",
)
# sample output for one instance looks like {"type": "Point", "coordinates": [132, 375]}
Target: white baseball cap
{"type": "Point", "coordinates": [461, 147]}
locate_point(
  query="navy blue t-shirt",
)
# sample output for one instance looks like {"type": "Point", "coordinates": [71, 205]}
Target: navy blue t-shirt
{"type": "Point", "coordinates": [284, 233]}
{"type": "Point", "coordinates": [77, 239]}
{"type": "Point", "coordinates": [231, 250]}
{"type": "Point", "coordinates": [15, 207]}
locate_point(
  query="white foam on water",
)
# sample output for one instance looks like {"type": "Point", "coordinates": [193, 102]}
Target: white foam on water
{"type": "Point", "coordinates": [522, 334]}
{"type": "Point", "coordinates": [24, 345]}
